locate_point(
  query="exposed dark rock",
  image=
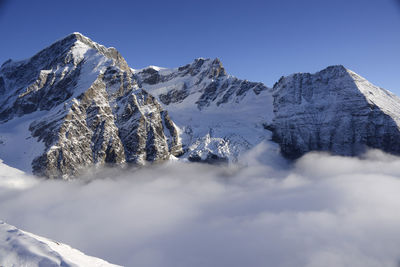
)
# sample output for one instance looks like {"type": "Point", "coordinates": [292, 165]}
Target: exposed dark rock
{"type": "Point", "coordinates": [174, 96]}
{"type": "Point", "coordinates": [151, 76]}
{"type": "Point", "coordinates": [210, 159]}
{"type": "Point", "coordinates": [2, 86]}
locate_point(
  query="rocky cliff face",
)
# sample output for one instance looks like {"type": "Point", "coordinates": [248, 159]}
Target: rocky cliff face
{"type": "Point", "coordinates": [89, 109]}
{"type": "Point", "coordinates": [334, 110]}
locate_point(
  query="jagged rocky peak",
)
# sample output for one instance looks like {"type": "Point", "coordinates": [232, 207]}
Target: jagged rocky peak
{"type": "Point", "coordinates": [78, 41]}
{"type": "Point", "coordinates": [71, 48]}
{"type": "Point", "coordinates": [205, 68]}
{"type": "Point", "coordinates": [86, 109]}
{"type": "Point", "coordinates": [334, 110]}
{"type": "Point", "coordinates": [213, 69]}
{"type": "Point", "coordinates": [204, 79]}
{"type": "Point", "coordinates": [109, 52]}
{"type": "Point", "coordinates": [51, 76]}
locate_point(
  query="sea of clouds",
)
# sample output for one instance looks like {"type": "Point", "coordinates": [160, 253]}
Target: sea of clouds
{"type": "Point", "coordinates": [322, 210]}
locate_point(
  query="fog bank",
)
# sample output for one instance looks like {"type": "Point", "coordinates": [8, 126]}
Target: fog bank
{"type": "Point", "coordinates": [321, 211]}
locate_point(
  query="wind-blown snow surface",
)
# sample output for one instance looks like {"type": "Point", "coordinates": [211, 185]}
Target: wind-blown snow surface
{"type": "Point", "coordinates": [20, 248]}
{"type": "Point", "coordinates": [322, 211]}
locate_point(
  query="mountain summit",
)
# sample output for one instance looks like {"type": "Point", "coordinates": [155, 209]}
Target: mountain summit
{"type": "Point", "coordinates": [52, 75]}
{"type": "Point", "coordinates": [77, 104]}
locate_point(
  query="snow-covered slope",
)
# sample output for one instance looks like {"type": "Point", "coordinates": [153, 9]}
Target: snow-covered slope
{"type": "Point", "coordinates": [20, 248]}
{"type": "Point", "coordinates": [220, 116]}
{"type": "Point", "coordinates": [334, 110]}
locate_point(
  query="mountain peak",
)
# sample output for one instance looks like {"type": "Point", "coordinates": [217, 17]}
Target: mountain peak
{"type": "Point", "coordinates": [73, 48]}
{"type": "Point", "coordinates": [24, 84]}
{"type": "Point", "coordinates": [78, 34]}
{"type": "Point", "coordinates": [213, 68]}
{"type": "Point", "coordinates": [330, 72]}
{"type": "Point", "coordinates": [75, 35]}
{"type": "Point", "coordinates": [337, 67]}
{"type": "Point", "coordinates": [334, 70]}
{"type": "Point", "coordinates": [344, 111]}
{"type": "Point", "coordinates": [74, 38]}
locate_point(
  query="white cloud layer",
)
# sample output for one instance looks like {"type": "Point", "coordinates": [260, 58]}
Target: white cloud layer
{"type": "Point", "coordinates": [323, 211]}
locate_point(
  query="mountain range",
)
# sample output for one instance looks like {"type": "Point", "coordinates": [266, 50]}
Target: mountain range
{"type": "Point", "coordinates": [77, 104]}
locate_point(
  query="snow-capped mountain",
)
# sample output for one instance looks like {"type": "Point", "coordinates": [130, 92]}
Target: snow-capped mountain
{"type": "Point", "coordinates": [77, 104]}
{"type": "Point", "coordinates": [334, 110]}
{"type": "Point", "coordinates": [220, 116]}
{"type": "Point", "coordinates": [20, 248]}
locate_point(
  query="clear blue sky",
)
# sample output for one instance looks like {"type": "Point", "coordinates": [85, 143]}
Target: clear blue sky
{"type": "Point", "coordinates": [255, 40]}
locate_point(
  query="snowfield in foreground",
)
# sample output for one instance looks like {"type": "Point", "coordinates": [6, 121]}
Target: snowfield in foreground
{"type": "Point", "coordinates": [322, 211]}
{"type": "Point", "coordinates": [20, 248]}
